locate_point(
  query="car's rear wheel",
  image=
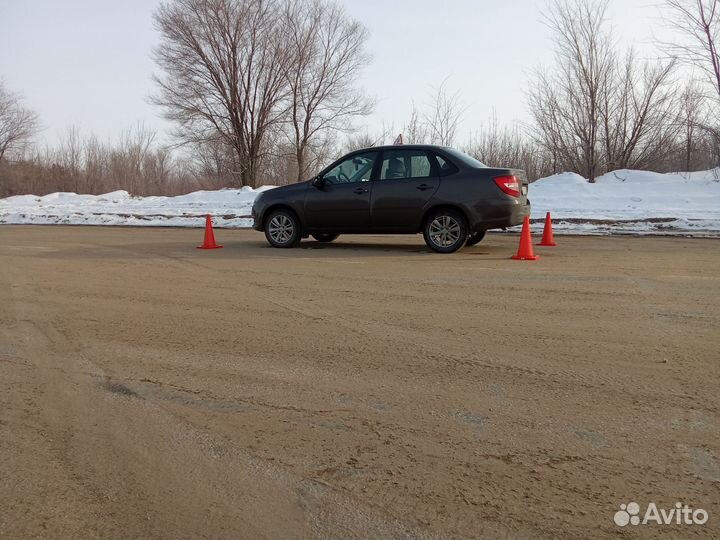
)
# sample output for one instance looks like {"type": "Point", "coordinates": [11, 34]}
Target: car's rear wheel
{"type": "Point", "coordinates": [325, 237]}
{"type": "Point", "coordinates": [282, 229]}
{"type": "Point", "coordinates": [445, 231]}
{"type": "Point", "coordinates": [475, 238]}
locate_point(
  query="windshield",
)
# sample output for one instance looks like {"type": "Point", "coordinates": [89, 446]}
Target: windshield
{"type": "Point", "coordinates": [464, 158]}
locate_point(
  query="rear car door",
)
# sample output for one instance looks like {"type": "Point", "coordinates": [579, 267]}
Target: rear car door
{"type": "Point", "coordinates": [342, 202]}
{"type": "Point", "coordinates": [407, 180]}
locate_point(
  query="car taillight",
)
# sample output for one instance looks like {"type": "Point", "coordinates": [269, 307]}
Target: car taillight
{"type": "Point", "coordinates": [508, 184]}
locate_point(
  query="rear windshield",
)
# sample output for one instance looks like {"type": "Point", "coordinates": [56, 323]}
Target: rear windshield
{"type": "Point", "coordinates": [464, 158]}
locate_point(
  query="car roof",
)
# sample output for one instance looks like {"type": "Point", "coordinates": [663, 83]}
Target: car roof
{"type": "Point", "coordinates": [403, 147]}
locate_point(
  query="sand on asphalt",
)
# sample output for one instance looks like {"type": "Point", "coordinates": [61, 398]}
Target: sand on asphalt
{"type": "Point", "coordinates": [363, 389]}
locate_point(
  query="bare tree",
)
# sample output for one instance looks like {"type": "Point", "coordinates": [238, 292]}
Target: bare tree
{"type": "Point", "coordinates": [698, 22]}
{"type": "Point", "coordinates": [224, 66]}
{"type": "Point", "coordinates": [18, 124]}
{"type": "Point", "coordinates": [69, 153]}
{"type": "Point", "coordinates": [94, 165]}
{"type": "Point", "coordinates": [128, 158]}
{"type": "Point", "coordinates": [566, 102]}
{"type": "Point", "coordinates": [367, 139]}
{"type": "Point", "coordinates": [213, 162]}
{"type": "Point", "coordinates": [444, 116]}
{"type": "Point", "coordinates": [508, 146]}
{"type": "Point", "coordinates": [594, 111]}
{"type": "Point", "coordinates": [638, 114]}
{"type": "Point", "coordinates": [327, 48]}
{"type": "Point", "coordinates": [691, 116]}
{"type": "Point", "coordinates": [416, 130]}
{"type": "Point", "coordinates": [697, 25]}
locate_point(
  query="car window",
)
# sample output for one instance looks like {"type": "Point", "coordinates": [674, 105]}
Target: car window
{"type": "Point", "coordinates": [446, 168]}
{"type": "Point", "coordinates": [398, 164]}
{"type": "Point", "coordinates": [357, 168]}
{"type": "Point", "coordinates": [464, 158]}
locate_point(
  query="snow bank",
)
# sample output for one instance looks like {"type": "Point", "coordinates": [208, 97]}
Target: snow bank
{"type": "Point", "coordinates": [619, 202]}
{"type": "Point", "coordinates": [229, 208]}
{"type": "Point", "coordinates": [631, 201]}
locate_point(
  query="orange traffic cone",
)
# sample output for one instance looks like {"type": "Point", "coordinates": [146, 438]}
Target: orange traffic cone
{"type": "Point", "coordinates": [547, 239]}
{"type": "Point", "coordinates": [525, 251]}
{"type": "Point", "coordinates": [209, 242]}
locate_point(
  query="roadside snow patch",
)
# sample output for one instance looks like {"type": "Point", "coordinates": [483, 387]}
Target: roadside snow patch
{"type": "Point", "coordinates": [628, 201]}
{"type": "Point", "coordinates": [621, 202]}
{"type": "Point", "coordinates": [229, 208]}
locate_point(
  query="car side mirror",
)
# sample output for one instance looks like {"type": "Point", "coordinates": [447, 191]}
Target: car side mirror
{"type": "Point", "coordinates": [318, 182]}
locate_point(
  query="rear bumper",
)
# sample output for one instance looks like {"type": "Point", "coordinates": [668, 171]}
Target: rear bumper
{"type": "Point", "coordinates": [502, 216]}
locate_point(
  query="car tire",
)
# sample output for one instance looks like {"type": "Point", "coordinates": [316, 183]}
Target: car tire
{"type": "Point", "coordinates": [475, 238]}
{"type": "Point", "coordinates": [325, 237]}
{"type": "Point", "coordinates": [445, 231]}
{"type": "Point", "coordinates": [282, 229]}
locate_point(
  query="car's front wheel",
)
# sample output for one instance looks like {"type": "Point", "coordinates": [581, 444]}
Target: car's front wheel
{"type": "Point", "coordinates": [282, 229]}
{"type": "Point", "coordinates": [475, 238]}
{"type": "Point", "coordinates": [445, 231]}
{"type": "Point", "coordinates": [325, 237]}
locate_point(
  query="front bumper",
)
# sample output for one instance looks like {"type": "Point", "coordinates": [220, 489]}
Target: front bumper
{"type": "Point", "coordinates": [255, 214]}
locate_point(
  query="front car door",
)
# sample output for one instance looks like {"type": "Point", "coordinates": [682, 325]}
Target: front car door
{"type": "Point", "coordinates": [406, 182]}
{"type": "Point", "coordinates": [342, 202]}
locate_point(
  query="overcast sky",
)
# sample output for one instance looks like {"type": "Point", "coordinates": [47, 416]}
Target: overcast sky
{"type": "Point", "coordinates": [88, 62]}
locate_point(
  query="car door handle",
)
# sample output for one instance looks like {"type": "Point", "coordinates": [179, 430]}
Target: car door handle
{"type": "Point", "coordinates": [360, 190]}
{"type": "Point", "coordinates": [424, 187]}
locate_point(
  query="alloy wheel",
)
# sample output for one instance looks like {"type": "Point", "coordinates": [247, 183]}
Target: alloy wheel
{"type": "Point", "coordinates": [281, 229]}
{"type": "Point", "coordinates": [444, 231]}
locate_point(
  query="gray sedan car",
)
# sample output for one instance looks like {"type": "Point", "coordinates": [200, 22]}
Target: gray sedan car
{"type": "Point", "coordinates": [448, 196]}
